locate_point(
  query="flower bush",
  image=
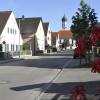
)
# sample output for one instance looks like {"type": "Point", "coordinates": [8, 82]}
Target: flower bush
{"type": "Point", "coordinates": [81, 46]}
{"type": "Point", "coordinates": [78, 93]}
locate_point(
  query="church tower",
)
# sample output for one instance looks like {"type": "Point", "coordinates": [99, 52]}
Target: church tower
{"type": "Point", "coordinates": [64, 23]}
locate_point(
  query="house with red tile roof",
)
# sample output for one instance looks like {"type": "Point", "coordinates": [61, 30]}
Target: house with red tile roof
{"type": "Point", "coordinates": [59, 37]}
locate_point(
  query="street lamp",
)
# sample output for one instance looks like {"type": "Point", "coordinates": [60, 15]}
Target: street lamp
{"type": "Point", "coordinates": [4, 46]}
{"type": "Point", "coordinates": [19, 22]}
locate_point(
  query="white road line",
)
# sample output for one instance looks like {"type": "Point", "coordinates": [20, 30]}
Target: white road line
{"type": "Point", "coordinates": [54, 78]}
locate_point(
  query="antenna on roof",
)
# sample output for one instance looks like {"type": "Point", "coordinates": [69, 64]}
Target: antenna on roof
{"type": "Point", "coordinates": [23, 16]}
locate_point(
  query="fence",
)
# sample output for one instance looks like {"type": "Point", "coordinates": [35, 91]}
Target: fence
{"type": "Point", "coordinates": [21, 53]}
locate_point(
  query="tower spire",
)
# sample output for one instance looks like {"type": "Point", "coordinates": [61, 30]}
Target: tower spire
{"type": "Point", "coordinates": [64, 22]}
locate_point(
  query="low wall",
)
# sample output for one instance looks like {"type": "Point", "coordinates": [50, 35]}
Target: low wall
{"type": "Point", "coordinates": [5, 55]}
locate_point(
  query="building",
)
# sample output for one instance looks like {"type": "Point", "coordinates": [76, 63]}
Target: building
{"type": "Point", "coordinates": [63, 36]}
{"type": "Point", "coordinates": [47, 32]}
{"type": "Point", "coordinates": [32, 33]}
{"type": "Point", "coordinates": [10, 37]}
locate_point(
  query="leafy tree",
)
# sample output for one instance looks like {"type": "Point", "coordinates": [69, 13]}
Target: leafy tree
{"type": "Point", "coordinates": [83, 21]}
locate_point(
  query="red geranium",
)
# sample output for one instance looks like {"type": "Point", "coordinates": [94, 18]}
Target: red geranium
{"type": "Point", "coordinates": [96, 32]}
{"type": "Point", "coordinates": [78, 92]}
{"type": "Point", "coordinates": [81, 45]}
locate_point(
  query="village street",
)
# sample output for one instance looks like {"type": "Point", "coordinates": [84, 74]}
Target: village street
{"type": "Point", "coordinates": [49, 77]}
{"type": "Point", "coordinates": [25, 79]}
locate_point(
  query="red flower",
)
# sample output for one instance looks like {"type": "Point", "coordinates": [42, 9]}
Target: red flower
{"type": "Point", "coordinates": [78, 92]}
{"type": "Point", "coordinates": [98, 89]}
{"type": "Point", "coordinates": [96, 32]}
{"type": "Point", "coordinates": [81, 45]}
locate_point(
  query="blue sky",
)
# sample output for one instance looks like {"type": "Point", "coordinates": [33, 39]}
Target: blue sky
{"type": "Point", "coordinates": [50, 10]}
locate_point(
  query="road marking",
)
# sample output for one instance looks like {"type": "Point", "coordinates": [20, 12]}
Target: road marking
{"type": "Point", "coordinates": [46, 87]}
{"type": "Point", "coordinates": [4, 82]}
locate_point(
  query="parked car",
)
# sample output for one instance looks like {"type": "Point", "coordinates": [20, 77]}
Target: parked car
{"type": "Point", "coordinates": [76, 55]}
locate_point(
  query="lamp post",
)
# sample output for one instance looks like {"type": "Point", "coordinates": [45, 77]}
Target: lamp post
{"type": "Point", "coordinates": [19, 37]}
{"type": "Point", "coordinates": [4, 46]}
{"type": "Point", "coordinates": [19, 22]}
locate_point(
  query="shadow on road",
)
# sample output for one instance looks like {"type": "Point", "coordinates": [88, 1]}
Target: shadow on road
{"type": "Point", "coordinates": [60, 88]}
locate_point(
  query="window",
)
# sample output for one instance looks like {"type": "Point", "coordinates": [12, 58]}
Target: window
{"type": "Point", "coordinates": [7, 47]}
{"type": "Point", "coordinates": [11, 30]}
{"type": "Point", "coordinates": [16, 48]}
{"type": "Point", "coordinates": [8, 29]}
{"type": "Point", "coordinates": [48, 38]}
{"type": "Point", "coordinates": [15, 31]}
{"type": "Point", "coordinates": [11, 47]}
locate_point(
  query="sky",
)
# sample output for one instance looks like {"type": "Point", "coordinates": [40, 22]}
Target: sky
{"type": "Point", "coordinates": [51, 11]}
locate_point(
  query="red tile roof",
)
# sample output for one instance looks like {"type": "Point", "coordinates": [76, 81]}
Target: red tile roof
{"type": "Point", "coordinates": [65, 34]}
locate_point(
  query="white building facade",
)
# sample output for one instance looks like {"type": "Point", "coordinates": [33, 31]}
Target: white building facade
{"type": "Point", "coordinates": [11, 39]}
{"type": "Point", "coordinates": [40, 37]}
{"type": "Point", "coordinates": [49, 36]}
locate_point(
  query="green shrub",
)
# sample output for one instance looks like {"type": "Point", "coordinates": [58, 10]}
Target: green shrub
{"type": "Point", "coordinates": [26, 47]}
{"type": "Point", "coordinates": [54, 49]}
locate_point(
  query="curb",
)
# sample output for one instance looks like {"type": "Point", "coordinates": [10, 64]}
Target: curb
{"type": "Point", "coordinates": [10, 60]}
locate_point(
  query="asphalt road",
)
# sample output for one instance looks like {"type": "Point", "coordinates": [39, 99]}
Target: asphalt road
{"type": "Point", "coordinates": [26, 79]}
{"type": "Point", "coordinates": [70, 77]}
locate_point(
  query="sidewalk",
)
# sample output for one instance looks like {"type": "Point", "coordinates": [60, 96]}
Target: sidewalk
{"type": "Point", "coordinates": [2, 61]}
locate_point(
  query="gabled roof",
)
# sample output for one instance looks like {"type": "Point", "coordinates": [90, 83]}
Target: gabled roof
{"type": "Point", "coordinates": [45, 27]}
{"type": "Point", "coordinates": [54, 34]}
{"type": "Point", "coordinates": [29, 25]}
{"type": "Point", "coordinates": [63, 34]}
{"type": "Point", "coordinates": [4, 15]}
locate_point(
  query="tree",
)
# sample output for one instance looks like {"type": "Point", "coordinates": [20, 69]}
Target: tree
{"type": "Point", "coordinates": [83, 21]}
{"type": "Point", "coordinates": [65, 43]}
